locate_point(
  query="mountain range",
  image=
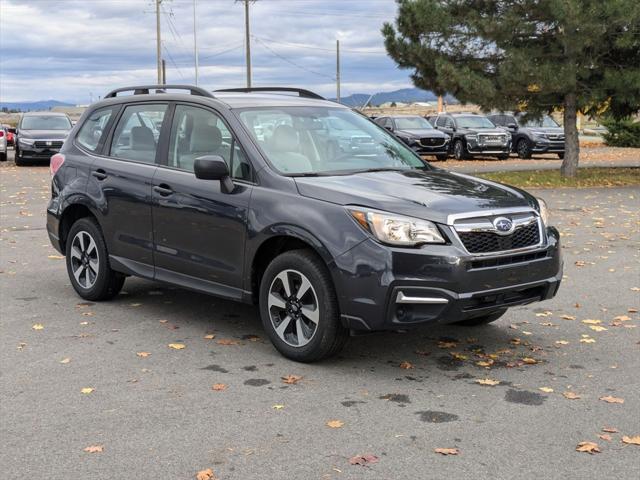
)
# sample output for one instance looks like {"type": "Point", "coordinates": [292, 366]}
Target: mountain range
{"type": "Point", "coordinates": [404, 95]}
{"type": "Point", "coordinates": [33, 106]}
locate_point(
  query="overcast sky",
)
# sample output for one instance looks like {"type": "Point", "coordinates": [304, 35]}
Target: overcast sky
{"type": "Point", "coordinates": [70, 50]}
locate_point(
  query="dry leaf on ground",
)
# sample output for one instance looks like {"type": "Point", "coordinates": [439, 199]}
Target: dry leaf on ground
{"type": "Point", "coordinates": [177, 346]}
{"type": "Point", "coordinates": [588, 447]}
{"type": "Point", "coordinates": [605, 436]}
{"type": "Point", "coordinates": [406, 365]}
{"type": "Point", "coordinates": [610, 399]}
{"type": "Point", "coordinates": [65, 360]}
{"type": "Point", "coordinates": [363, 459]}
{"type": "Point", "coordinates": [447, 451]}
{"type": "Point", "coordinates": [227, 341]}
{"type": "Point", "coordinates": [218, 387]}
{"type": "Point", "coordinates": [635, 440]}
{"type": "Point", "coordinates": [487, 381]}
{"type": "Point", "coordinates": [546, 389]}
{"type": "Point", "coordinates": [38, 326]}
{"type": "Point", "coordinates": [610, 429]}
{"type": "Point", "coordinates": [335, 423]}
{"type": "Point", "coordinates": [571, 395]}
{"type": "Point", "coordinates": [209, 336]}
{"type": "Point", "coordinates": [143, 354]}
{"type": "Point", "coordinates": [94, 449]}
{"type": "Point", "coordinates": [205, 475]}
{"type": "Point", "coordinates": [291, 379]}
{"type": "Point", "coordinates": [87, 390]}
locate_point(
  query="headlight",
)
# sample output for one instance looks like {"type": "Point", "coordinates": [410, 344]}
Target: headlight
{"type": "Point", "coordinates": [472, 137]}
{"type": "Point", "coordinates": [544, 211]}
{"type": "Point", "coordinates": [397, 229]}
{"type": "Point", "coordinates": [26, 141]}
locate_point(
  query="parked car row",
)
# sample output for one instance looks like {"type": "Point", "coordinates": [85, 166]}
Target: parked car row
{"type": "Point", "coordinates": [468, 135]}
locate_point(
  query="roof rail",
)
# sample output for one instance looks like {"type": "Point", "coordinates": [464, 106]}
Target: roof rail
{"type": "Point", "coordinates": [300, 91]}
{"type": "Point", "coordinates": [146, 89]}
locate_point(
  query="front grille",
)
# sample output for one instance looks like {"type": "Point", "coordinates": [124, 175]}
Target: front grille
{"type": "Point", "coordinates": [508, 260]}
{"type": "Point", "coordinates": [492, 139]}
{"type": "Point", "coordinates": [48, 144]}
{"type": "Point", "coordinates": [431, 142]}
{"type": "Point", "coordinates": [488, 242]}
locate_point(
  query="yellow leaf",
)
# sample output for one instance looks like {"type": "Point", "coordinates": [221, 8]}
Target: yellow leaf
{"type": "Point", "coordinates": [631, 440]}
{"type": "Point", "coordinates": [562, 342]}
{"type": "Point", "coordinates": [488, 381]}
{"type": "Point", "coordinates": [94, 449]}
{"type": "Point", "coordinates": [588, 447]}
{"type": "Point", "coordinates": [143, 354]}
{"type": "Point", "coordinates": [278, 407]}
{"type": "Point", "coordinates": [205, 475]}
{"type": "Point", "coordinates": [529, 360]}
{"type": "Point", "coordinates": [55, 257]}
{"type": "Point", "coordinates": [610, 399]}
{"type": "Point", "coordinates": [447, 451]}
{"type": "Point", "coordinates": [546, 389]}
{"type": "Point", "coordinates": [335, 423]}
{"type": "Point", "coordinates": [587, 340]}
{"type": "Point", "coordinates": [219, 387]}
{"type": "Point", "coordinates": [38, 326]}
{"type": "Point", "coordinates": [210, 336]}
{"type": "Point", "coordinates": [571, 395]}
{"type": "Point", "coordinates": [87, 390]}
{"type": "Point", "coordinates": [592, 322]}
{"type": "Point", "coordinates": [568, 317]}
{"type": "Point", "coordinates": [458, 356]}
{"type": "Point", "coordinates": [65, 360]}
{"type": "Point", "coordinates": [597, 328]}
{"type": "Point", "coordinates": [177, 346]}
{"type": "Point", "coordinates": [485, 363]}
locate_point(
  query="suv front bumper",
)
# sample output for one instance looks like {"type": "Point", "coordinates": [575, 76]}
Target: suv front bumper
{"type": "Point", "coordinates": [33, 153]}
{"type": "Point", "coordinates": [383, 288]}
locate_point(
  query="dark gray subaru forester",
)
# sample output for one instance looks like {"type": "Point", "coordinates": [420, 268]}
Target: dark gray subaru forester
{"type": "Point", "coordinates": [279, 197]}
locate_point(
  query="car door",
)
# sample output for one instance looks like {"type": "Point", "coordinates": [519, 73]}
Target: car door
{"type": "Point", "coordinates": [199, 229]}
{"type": "Point", "coordinates": [446, 125]}
{"type": "Point", "coordinates": [120, 183]}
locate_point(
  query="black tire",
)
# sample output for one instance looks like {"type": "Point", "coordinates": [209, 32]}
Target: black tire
{"type": "Point", "coordinates": [103, 284]}
{"type": "Point", "coordinates": [3, 157]}
{"type": "Point", "coordinates": [459, 151]}
{"type": "Point", "coordinates": [561, 156]}
{"type": "Point", "coordinates": [328, 336]}
{"type": "Point", "coordinates": [523, 149]}
{"type": "Point", "coordinates": [504, 156]}
{"type": "Point", "coordinates": [484, 320]}
{"type": "Point", "coordinates": [441, 158]}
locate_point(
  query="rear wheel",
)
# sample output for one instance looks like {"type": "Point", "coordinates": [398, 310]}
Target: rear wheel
{"type": "Point", "coordinates": [484, 320]}
{"type": "Point", "coordinates": [299, 307]}
{"type": "Point", "coordinates": [3, 156]}
{"type": "Point", "coordinates": [524, 149]}
{"type": "Point", "coordinates": [88, 262]}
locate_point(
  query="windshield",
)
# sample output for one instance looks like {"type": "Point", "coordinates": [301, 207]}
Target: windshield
{"type": "Point", "coordinates": [330, 141]}
{"type": "Point", "coordinates": [474, 122]}
{"type": "Point", "coordinates": [412, 123]}
{"type": "Point", "coordinates": [45, 122]}
{"type": "Point", "coordinates": [544, 122]}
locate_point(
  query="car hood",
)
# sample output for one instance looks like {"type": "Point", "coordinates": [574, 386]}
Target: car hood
{"type": "Point", "coordinates": [545, 130]}
{"type": "Point", "coordinates": [423, 132]}
{"type": "Point", "coordinates": [44, 134]}
{"type": "Point", "coordinates": [427, 194]}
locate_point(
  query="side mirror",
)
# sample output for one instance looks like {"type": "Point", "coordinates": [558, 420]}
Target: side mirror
{"type": "Point", "coordinates": [213, 167]}
{"type": "Point", "coordinates": [389, 128]}
{"type": "Point", "coordinates": [512, 126]}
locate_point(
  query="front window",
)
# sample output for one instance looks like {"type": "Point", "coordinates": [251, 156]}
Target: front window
{"type": "Point", "coordinates": [412, 123]}
{"type": "Point", "coordinates": [543, 122]}
{"type": "Point", "coordinates": [474, 122]}
{"type": "Point", "coordinates": [45, 122]}
{"type": "Point", "coordinates": [329, 141]}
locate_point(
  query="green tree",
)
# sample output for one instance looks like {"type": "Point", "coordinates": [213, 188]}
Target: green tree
{"type": "Point", "coordinates": [536, 55]}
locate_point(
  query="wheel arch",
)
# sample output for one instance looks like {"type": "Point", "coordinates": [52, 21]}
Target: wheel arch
{"type": "Point", "coordinates": [70, 214]}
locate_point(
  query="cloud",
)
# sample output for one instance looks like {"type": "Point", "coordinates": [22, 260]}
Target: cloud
{"type": "Point", "coordinates": [73, 49]}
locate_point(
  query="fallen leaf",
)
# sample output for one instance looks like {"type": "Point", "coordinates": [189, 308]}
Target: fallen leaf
{"type": "Point", "coordinates": [529, 360]}
{"type": "Point", "coordinates": [622, 318]}
{"type": "Point", "coordinates": [278, 407]}
{"type": "Point", "coordinates": [87, 390]}
{"type": "Point", "coordinates": [458, 356]}
{"type": "Point", "coordinates": [21, 345]}
{"type": "Point", "coordinates": [143, 354]}
{"type": "Point", "coordinates": [588, 447]}
{"type": "Point", "coordinates": [447, 451]}
{"type": "Point", "coordinates": [363, 459]}
{"type": "Point", "coordinates": [205, 475]}
{"type": "Point", "coordinates": [87, 314]}
{"type": "Point", "coordinates": [65, 360]}
{"type": "Point", "coordinates": [587, 340]}
{"type": "Point", "coordinates": [210, 336]}
{"type": "Point", "coordinates": [485, 363]}
{"type": "Point", "coordinates": [177, 346]}
{"type": "Point", "coordinates": [571, 395]}
{"type": "Point", "coordinates": [605, 436]}
{"type": "Point", "coordinates": [94, 449]}
{"type": "Point", "coordinates": [631, 440]}
{"type": "Point", "coordinates": [610, 399]}
{"type": "Point", "coordinates": [546, 389]}
{"type": "Point", "coordinates": [567, 317]}
{"type": "Point", "coordinates": [442, 344]}
{"type": "Point", "coordinates": [406, 365]}
{"type": "Point", "coordinates": [488, 381]}
{"type": "Point", "coordinates": [291, 379]}
{"type": "Point", "coordinates": [55, 257]}
{"type": "Point", "coordinates": [218, 387]}
{"type": "Point", "coordinates": [561, 342]}
{"type": "Point", "coordinates": [335, 423]}
{"type": "Point", "coordinates": [597, 328]}
{"type": "Point", "coordinates": [592, 322]}
{"type": "Point", "coordinates": [227, 341]}
{"type": "Point", "coordinates": [610, 429]}
{"type": "Point", "coordinates": [135, 304]}
{"type": "Point", "coordinates": [38, 326]}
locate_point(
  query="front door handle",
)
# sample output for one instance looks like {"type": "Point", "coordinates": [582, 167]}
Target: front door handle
{"type": "Point", "coordinates": [99, 174]}
{"type": "Point", "coordinates": [163, 190]}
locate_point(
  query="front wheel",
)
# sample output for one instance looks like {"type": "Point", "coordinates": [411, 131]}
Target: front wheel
{"type": "Point", "coordinates": [299, 307]}
{"type": "Point", "coordinates": [459, 150]}
{"type": "Point", "coordinates": [88, 262]}
{"type": "Point", "coordinates": [3, 156]}
{"type": "Point", "coordinates": [484, 320]}
{"type": "Point", "coordinates": [523, 149]}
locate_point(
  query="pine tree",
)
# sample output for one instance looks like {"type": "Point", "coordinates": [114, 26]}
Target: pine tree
{"type": "Point", "coordinates": [537, 55]}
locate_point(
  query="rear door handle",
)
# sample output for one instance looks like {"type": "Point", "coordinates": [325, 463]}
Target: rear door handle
{"type": "Point", "coordinates": [163, 190]}
{"type": "Point", "coordinates": [99, 174]}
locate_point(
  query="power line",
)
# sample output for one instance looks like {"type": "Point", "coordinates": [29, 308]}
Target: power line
{"type": "Point", "coordinates": [312, 47]}
{"type": "Point", "coordinates": [291, 62]}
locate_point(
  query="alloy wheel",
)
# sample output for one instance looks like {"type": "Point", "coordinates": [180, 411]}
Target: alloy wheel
{"type": "Point", "coordinates": [293, 308]}
{"type": "Point", "coordinates": [85, 263]}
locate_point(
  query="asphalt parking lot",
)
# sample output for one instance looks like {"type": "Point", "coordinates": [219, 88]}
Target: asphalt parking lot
{"type": "Point", "coordinates": [392, 399]}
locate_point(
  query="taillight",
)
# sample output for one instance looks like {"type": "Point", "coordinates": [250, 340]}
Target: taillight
{"type": "Point", "coordinates": [1, 134]}
{"type": "Point", "coordinates": [55, 163]}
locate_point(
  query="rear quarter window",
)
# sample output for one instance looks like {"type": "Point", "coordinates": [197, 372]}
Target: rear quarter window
{"type": "Point", "coordinates": [94, 129]}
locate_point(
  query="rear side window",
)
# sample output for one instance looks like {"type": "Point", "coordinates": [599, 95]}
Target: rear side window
{"type": "Point", "coordinates": [440, 121]}
{"type": "Point", "coordinates": [137, 132]}
{"type": "Point", "coordinates": [94, 128]}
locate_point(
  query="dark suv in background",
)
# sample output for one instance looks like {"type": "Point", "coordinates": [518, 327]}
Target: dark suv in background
{"type": "Point", "coordinates": [474, 135]}
{"type": "Point", "coordinates": [241, 196]}
{"type": "Point", "coordinates": [418, 134]}
{"type": "Point", "coordinates": [532, 135]}
{"type": "Point", "coordinates": [40, 135]}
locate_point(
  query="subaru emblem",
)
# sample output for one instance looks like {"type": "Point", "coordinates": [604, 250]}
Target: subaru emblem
{"type": "Point", "coordinates": [503, 225]}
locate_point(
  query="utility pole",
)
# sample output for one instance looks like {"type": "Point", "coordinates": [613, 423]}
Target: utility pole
{"type": "Point", "coordinates": [247, 41]}
{"type": "Point", "coordinates": [338, 71]}
{"type": "Point", "coordinates": [164, 72]}
{"type": "Point", "coordinates": [440, 104]}
{"type": "Point", "coordinates": [195, 40]}
{"type": "Point", "coordinates": [158, 42]}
